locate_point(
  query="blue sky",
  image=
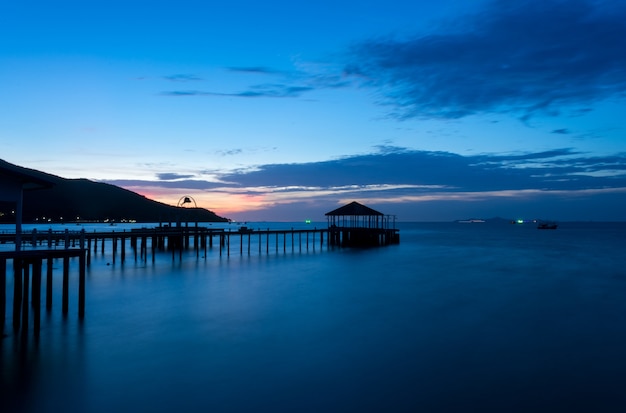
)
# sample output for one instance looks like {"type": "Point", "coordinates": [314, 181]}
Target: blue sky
{"type": "Point", "coordinates": [284, 110]}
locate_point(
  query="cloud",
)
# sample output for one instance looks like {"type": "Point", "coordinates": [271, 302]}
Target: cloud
{"type": "Point", "coordinates": [395, 176]}
{"type": "Point", "coordinates": [274, 91]}
{"type": "Point", "coordinates": [185, 93]}
{"type": "Point", "coordinates": [255, 70]}
{"type": "Point", "coordinates": [562, 131]}
{"type": "Point", "coordinates": [256, 91]}
{"type": "Point", "coordinates": [288, 83]}
{"type": "Point", "coordinates": [230, 152]}
{"type": "Point", "coordinates": [182, 78]}
{"type": "Point", "coordinates": [172, 176]}
{"type": "Point", "coordinates": [403, 171]}
{"type": "Point", "coordinates": [526, 57]}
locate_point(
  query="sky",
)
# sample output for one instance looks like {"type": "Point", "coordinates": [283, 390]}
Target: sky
{"type": "Point", "coordinates": [283, 110]}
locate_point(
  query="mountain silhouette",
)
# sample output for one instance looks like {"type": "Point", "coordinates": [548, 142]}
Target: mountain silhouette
{"type": "Point", "coordinates": [81, 199]}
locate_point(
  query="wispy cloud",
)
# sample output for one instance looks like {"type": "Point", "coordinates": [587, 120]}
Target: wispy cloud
{"type": "Point", "coordinates": [257, 91]}
{"type": "Point", "coordinates": [230, 152]}
{"type": "Point", "coordinates": [179, 93]}
{"type": "Point", "coordinates": [182, 78]}
{"type": "Point", "coordinates": [524, 57]}
{"type": "Point", "coordinates": [255, 70]}
{"type": "Point", "coordinates": [294, 83]}
{"type": "Point", "coordinates": [172, 176]}
{"type": "Point", "coordinates": [273, 91]}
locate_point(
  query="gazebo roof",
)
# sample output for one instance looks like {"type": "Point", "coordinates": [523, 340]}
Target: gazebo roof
{"type": "Point", "coordinates": [29, 180]}
{"type": "Point", "coordinates": [354, 209]}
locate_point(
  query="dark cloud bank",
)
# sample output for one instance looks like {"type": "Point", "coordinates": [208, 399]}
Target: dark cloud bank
{"type": "Point", "coordinates": [523, 57]}
{"type": "Point", "coordinates": [423, 185]}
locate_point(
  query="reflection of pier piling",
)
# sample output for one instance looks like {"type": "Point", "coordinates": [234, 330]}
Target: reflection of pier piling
{"type": "Point", "coordinates": [27, 273]}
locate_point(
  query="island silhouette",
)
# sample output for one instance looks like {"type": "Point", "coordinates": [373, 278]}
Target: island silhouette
{"type": "Point", "coordinates": [70, 200]}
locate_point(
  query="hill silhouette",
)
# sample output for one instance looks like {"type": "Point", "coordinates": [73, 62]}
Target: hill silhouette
{"type": "Point", "coordinates": [85, 200]}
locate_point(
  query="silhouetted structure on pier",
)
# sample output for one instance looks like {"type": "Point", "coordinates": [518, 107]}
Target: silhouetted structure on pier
{"type": "Point", "coordinates": [27, 265]}
{"type": "Point", "coordinates": [356, 225]}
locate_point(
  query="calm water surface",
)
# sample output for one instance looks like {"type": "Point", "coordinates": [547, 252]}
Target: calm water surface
{"type": "Point", "coordinates": [457, 318]}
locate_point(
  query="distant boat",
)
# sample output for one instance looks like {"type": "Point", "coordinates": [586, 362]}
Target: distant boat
{"type": "Point", "coordinates": [470, 221]}
{"type": "Point", "coordinates": [547, 225]}
{"type": "Point", "coordinates": [245, 229]}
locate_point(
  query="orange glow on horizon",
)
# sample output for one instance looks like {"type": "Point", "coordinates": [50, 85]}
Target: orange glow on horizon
{"type": "Point", "coordinates": [221, 203]}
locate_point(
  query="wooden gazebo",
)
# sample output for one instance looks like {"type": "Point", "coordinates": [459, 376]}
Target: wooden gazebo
{"type": "Point", "coordinates": [14, 180]}
{"type": "Point", "coordinates": [355, 224]}
{"type": "Point", "coordinates": [27, 264]}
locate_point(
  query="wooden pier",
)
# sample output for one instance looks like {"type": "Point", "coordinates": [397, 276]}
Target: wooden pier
{"type": "Point", "coordinates": [38, 247]}
{"type": "Point", "coordinates": [146, 242]}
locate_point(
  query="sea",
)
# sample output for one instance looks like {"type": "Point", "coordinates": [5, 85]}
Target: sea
{"type": "Point", "coordinates": [458, 317]}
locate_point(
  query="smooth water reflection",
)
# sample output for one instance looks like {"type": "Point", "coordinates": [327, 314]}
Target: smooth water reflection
{"type": "Point", "coordinates": [452, 319]}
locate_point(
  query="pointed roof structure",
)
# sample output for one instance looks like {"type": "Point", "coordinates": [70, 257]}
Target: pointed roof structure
{"type": "Point", "coordinates": [357, 225]}
{"type": "Point", "coordinates": [354, 209]}
{"type": "Point", "coordinates": [27, 179]}
{"type": "Point", "coordinates": [14, 180]}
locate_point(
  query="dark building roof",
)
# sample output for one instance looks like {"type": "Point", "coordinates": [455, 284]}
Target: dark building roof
{"type": "Point", "coordinates": [26, 177]}
{"type": "Point", "coordinates": [354, 208]}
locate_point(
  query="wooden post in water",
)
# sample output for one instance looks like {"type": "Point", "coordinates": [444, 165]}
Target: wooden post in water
{"type": "Point", "coordinates": [36, 296]}
{"type": "Point", "coordinates": [17, 293]}
{"type": "Point", "coordinates": [89, 251]}
{"type": "Point", "coordinates": [66, 285]}
{"type": "Point", "coordinates": [26, 280]}
{"type": "Point", "coordinates": [123, 257]}
{"type": "Point", "coordinates": [49, 264]}
{"type": "Point", "coordinates": [3, 293]}
{"type": "Point", "coordinates": [196, 244]}
{"type": "Point", "coordinates": [186, 235]}
{"type": "Point", "coordinates": [114, 241]}
{"type": "Point", "coordinates": [81, 285]}
{"type": "Point", "coordinates": [204, 244]}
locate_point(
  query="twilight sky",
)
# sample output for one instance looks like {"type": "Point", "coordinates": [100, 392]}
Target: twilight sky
{"type": "Point", "coordinates": [283, 110]}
